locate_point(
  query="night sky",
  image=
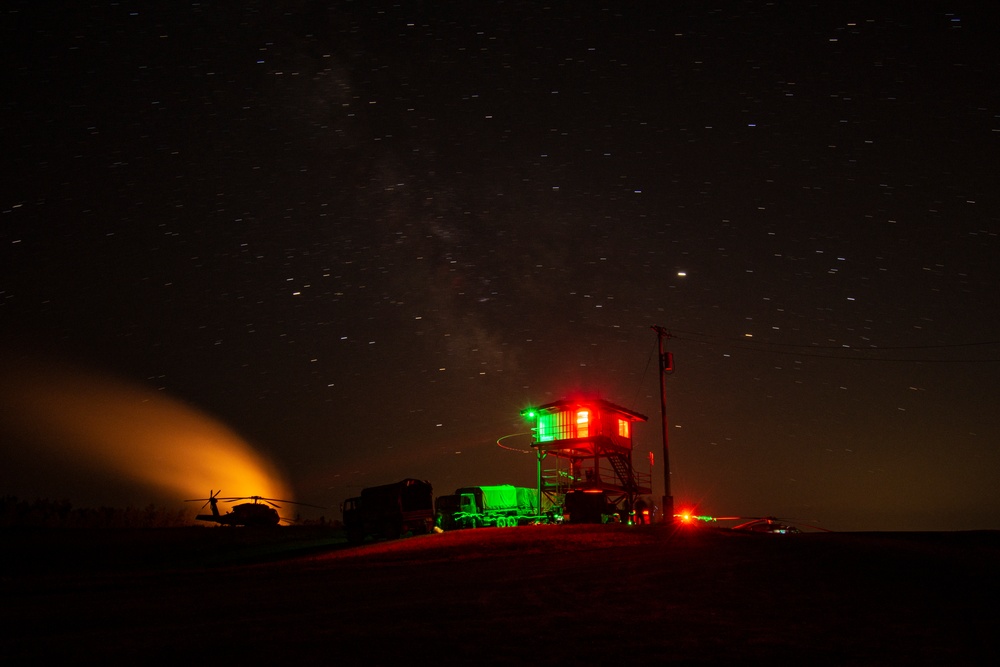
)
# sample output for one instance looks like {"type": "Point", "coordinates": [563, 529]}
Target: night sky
{"type": "Point", "coordinates": [364, 235]}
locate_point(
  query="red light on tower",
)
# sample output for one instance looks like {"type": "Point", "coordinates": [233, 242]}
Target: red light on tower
{"type": "Point", "coordinates": [583, 423]}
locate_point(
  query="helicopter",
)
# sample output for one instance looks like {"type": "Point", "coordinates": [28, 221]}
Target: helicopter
{"type": "Point", "coordinates": [753, 524]}
{"type": "Point", "coordinates": [767, 524]}
{"type": "Point", "coordinates": [260, 512]}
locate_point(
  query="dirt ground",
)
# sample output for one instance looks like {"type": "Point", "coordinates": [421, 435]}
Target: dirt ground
{"type": "Point", "coordinates": [568, 595]}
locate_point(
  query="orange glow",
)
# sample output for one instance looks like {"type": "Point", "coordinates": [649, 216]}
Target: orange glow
{"type": "Point", "coordinates": [96, 422]}
{"type": "Point", "coordinates": [583, 423]}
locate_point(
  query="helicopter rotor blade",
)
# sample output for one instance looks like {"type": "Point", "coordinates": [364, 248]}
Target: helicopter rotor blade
{"type": "Point", "coordinates": [212, 495]}
{"type": "Point", "coordinates": [215, 495]}
{"type": "Point", "coordinates": [289, 502]}
{"type": "Point", "coordinates": [293, 502]}
{"type": "Point", "coordinates": [808, 525]}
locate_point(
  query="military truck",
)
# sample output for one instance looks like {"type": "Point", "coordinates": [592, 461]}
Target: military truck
{"type": "Point", "coordinates": [390, 511]}
{"type": "Point", "coordinates": [487, 506]}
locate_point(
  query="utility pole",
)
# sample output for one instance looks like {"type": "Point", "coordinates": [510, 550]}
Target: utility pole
{"type": "Point", "coordinates": [666, 364]}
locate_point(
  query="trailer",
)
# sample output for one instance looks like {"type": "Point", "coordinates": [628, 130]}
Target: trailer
{"type": "Point", "coordinates": [390, 511]}
{"type": "Point", "coordinates": [487, 506]}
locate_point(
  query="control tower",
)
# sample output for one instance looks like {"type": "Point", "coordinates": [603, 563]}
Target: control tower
{"type": "Point", "coordinates": [584, 446]}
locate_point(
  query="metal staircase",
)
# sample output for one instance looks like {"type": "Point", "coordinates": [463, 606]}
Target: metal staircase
{"type": "Point", "coordinates": [622, 465]}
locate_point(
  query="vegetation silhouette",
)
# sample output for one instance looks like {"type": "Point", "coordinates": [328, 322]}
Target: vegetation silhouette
{"type": "Point", "coordinates": [46, 513]}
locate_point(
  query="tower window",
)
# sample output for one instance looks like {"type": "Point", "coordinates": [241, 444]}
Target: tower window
{"type": "Point", "coordinates": [583, 423]}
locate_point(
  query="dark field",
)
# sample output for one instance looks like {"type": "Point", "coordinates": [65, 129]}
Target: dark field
{"type": "Point", "coordinates": [559, 595]}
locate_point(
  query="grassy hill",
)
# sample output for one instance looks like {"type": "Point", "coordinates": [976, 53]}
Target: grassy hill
{"type": "Point", "coordinates": [541, 594]}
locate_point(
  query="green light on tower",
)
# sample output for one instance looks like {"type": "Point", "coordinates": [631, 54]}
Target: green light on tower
{"type": "Point", "coordinates": [546, 430]}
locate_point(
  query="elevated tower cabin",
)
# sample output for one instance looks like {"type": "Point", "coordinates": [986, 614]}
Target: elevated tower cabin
{"type": "Point", "coordinates": [585, 445]}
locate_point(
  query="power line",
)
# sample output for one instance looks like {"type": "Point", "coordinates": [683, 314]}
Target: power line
{"type": "Point", "coordinates": [840, 347]}
{"type": "Point", "coordinates": [867, 351]}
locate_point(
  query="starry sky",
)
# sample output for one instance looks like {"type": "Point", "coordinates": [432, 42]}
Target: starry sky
{"type": "Point", "coordinates": [365, 235]}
